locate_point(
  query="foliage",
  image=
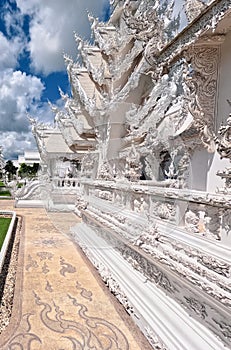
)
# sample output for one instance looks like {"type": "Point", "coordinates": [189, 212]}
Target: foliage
{"type": "Point", "coordinates": [5, 193]}
{"type": "Point", "coordinates": [2, 184]}
{"type": "Point", "coordinates": [28, 170]}
{"type": "Point", "coordinates": [4, 224]}
{"type": "Point", "coordinates": [10, 169]}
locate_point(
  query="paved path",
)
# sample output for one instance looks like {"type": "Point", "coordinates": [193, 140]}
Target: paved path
{"type": "Point", "coordinates": [60, 302]}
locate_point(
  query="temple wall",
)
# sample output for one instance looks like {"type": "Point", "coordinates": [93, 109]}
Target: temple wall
{"type": "Point", "coordinates": [198, 170]}
{"type": "Point", "coordinates": [203, 169]}
{"type": "Point", "coordinates": [223, 110]}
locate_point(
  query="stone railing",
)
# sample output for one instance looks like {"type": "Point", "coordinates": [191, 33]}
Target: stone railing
{"type": "Point", "coordinates": [65, 182]}
{"type": "Point", "coordinates": [3, 251]}
{"type": "Point", "coordinates": [203, 214]}
{"type": "Point", "coordinates": [178, 239]}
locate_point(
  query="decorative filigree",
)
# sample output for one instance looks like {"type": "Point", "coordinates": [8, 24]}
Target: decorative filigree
{"type": "Point", "coordinates": [133, 165]}
{"type": "Point", "coordinates": [145, 25]}
{"type": "Point", "coordinates": [193, 8]}
{"type": "Point", "coordinates": [80, 204]}
{"type": "Point", "coordinates": [164, 210]}
{"type": "Point", "coordinates": [88, 165]}
{"type": "Point", "coordinates": [202, 83]}
{"type": "Point", "coordinates": [149, 269]}
{"type": "Point", "coordinates": [223, 143]}
{"type": "Point", "coordinates": [148, 237]}
{"type": "Point", "coordinates": [154, 340]}
{"type": "Point", "coordinates": [216, 265]}
{"type": "Point", "coordinates": [209, 19]}
{"type": "Point", "coordinates": [225, 328]}
{"type": "Point", "coordinates": [197, 307]}
{"type": "Point", "coordinates": [105, 172]}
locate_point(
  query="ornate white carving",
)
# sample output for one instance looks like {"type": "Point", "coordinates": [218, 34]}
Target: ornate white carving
{"type": "Point", "coordinates": [133, 166]}
{"type": "Point", "coordinates": [121, 64]}
{"type": "Point", "coordinates": [80, 204]}
{"type": "Point", "coordinates": [154, 340]}
{"type": "Point", "coordinates": [164, 210]}
{"type": "Point", "coordinates": [223, 143]}
{"type": "Point", "coordinates": [109, 280]}
{"type": "Point", "coordinates": [193, 8]}
{"type": "Point", "coordinates": [105, 172]}
{"type": "Point", "coordinates": [88, 165]}
{"type": "Point", "coordinates": [202, 83]}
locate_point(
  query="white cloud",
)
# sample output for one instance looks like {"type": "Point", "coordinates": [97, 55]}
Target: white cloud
{"type": "Point", "coordinates": [51, 29]}
{"type": "Point", "coordinates": [15, 143]}
{"type": "Point", "coordinates": [19, 94]}
{"type": "Point", "coordinates": [10, 50]}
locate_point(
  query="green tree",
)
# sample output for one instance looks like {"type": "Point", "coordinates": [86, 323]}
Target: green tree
{"type": "Point", "coordinates": [28, 170]}
{"type": "Point", "coordinates": [35, 168]}
{"type": "Point", "coordinates": [10, 169]}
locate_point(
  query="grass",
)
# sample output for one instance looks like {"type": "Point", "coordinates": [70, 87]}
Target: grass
{"type": "Point", "coordinates": [2, 184]}
{"type": "Point", "coordinates": [4, 224]}
{"type": "Point", "coordinates": [5, 193]}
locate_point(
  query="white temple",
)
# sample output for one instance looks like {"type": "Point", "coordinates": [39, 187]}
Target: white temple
{"type": "Point", "coordinates": [2, 161]}
{"type": "Point", "coordinates": [147, 128]}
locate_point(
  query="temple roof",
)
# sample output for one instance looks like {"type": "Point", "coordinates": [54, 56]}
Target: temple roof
{"type": "Point", "coordinates": [55, 143]}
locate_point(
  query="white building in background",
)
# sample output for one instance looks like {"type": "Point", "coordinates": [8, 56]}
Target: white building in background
{"type": "Point", "coordinates": [149, 112]}
{"type": "Point", "coordinates": [29, 158]}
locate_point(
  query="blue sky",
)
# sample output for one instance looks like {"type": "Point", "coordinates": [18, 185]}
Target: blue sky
{"type": "Point", "coordinates": [34, 35]}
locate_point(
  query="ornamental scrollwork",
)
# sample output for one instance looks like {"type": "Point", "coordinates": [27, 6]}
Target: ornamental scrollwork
{"type": "Point", "coordinates": [223, 144]}
{"type": "Point", "coordinates": [202, 82]}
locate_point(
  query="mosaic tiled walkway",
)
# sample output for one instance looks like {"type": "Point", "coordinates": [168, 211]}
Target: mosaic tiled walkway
{"type": "Point", "coordinates": [60, 303]}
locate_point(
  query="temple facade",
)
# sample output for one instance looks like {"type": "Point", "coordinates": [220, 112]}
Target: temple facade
{"type": "Point", "coordinates": [146, 136]}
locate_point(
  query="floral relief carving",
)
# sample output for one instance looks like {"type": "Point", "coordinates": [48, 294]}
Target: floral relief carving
{"type": "Point", "coordinates": [202, 84]}
{"type": "Point", "coordinates": [197, 307]}
{"type": "Point", "coordinates": [166, 211]}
